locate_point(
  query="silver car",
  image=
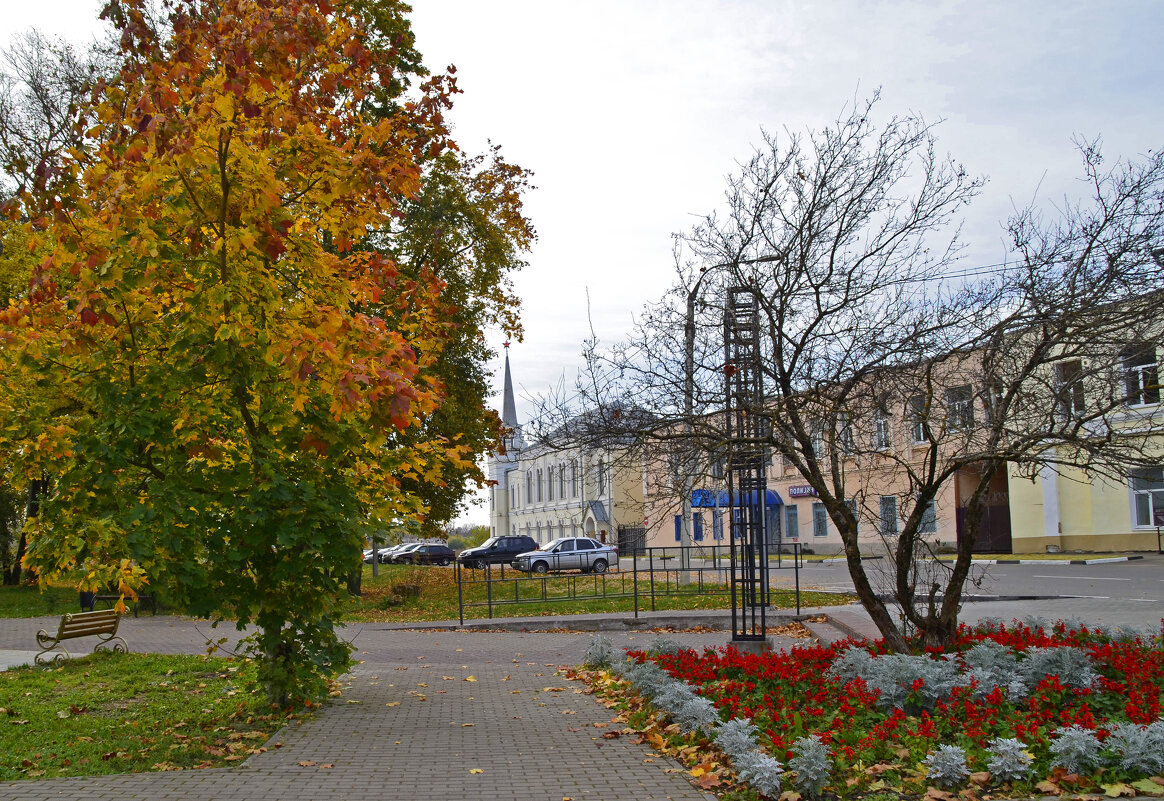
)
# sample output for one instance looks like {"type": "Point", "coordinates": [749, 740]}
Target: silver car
{"type": "Point", "coordinates": [568, 553]}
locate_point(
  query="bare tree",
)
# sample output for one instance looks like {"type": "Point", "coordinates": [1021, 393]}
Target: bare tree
{"type": "Point", "coordinates": [892, 373]}
{"type": "Point", "coordinates": [45, 85]}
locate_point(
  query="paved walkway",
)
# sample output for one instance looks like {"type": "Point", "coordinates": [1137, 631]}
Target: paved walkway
{"type": "Point", "coordinates": [531, 740]}
{"type": "Point", "coordinates": [533, 735]}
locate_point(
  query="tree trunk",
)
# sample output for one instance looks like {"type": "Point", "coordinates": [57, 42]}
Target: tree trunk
{"type": "Point", "coordinates": [876, 608]}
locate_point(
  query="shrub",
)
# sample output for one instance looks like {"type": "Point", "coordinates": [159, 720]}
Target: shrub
{"type": "Point", "coordinates": [947, 765]}
{"type": "Point", "coordinates": [811, 765]}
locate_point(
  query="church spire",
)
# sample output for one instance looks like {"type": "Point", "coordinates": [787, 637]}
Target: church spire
{"type": "Point", "coordinates": [508, 409]}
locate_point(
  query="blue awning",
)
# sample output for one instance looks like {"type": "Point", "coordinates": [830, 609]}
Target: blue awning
{"type": "Point", "coordinates": [708, 499]}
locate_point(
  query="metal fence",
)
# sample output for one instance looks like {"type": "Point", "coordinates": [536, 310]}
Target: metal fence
{"type": "Point", "coordinates": [646, 577]}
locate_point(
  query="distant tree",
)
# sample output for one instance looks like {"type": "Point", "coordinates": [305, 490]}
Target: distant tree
{"type": "Point", "coordinates": [883, 360]}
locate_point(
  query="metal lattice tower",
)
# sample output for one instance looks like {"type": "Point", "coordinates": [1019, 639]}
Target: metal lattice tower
{"type": "Point", "coordinates": [747, 462]}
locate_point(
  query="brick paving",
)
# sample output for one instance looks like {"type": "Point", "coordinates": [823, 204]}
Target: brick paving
{"type": "Point", "coordinates": [530, 740]}
{"type": "Point", "coordinates": [530, 732]}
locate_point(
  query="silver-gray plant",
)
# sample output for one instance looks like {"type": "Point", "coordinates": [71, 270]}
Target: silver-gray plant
{"type": "Point", "coordinates": [647, 678]}
{"type": "Point", "coordinates": [1008, 759]}
{"type": "Point", "coordinates": [759, 770]}
{"type": "Point", "coordinates": [599, 652]}
{"type": "Point", "coordinates": [811, 765]}
{"type": "Point", "coordinates": [1072, 665]}
{"type": "Point", "coordinates": [1138, 749]}
{"type": "Point", "coordinates": [1076, 749]}
{"type": "Point", "coordinates": [664, 645]}
{"type": "Point", "coordinates": [737, 736]}
{"type": "Point", "coordinates": [947, 765]}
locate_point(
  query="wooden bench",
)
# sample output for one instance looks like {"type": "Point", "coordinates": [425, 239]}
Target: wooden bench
{"type": "Point", "coordinates": [100, 623]}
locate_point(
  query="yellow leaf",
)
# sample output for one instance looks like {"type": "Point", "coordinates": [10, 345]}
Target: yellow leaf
{"type": "Point", "coordinates": [392, 703]}
{"type": "Point", "coordinates": [1118, 789]}
{"type": "Point", "coordinates": [470, 678]}
{"type": "Point", "coordinates": [476, 770]}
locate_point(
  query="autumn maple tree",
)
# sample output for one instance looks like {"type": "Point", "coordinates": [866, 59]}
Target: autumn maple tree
{"type": "Point", "coordinates": [236, 369]}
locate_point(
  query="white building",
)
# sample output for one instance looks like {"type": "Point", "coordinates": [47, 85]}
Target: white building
{"type": "Point", "coordinates": [547, 492]}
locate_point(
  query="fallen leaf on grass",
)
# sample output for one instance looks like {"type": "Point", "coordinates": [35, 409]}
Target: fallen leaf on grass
{"type": "Point", "coordinates": [1048, 788]}
{"type": "Point", "coordinates": [708, 780]}
{"type": "Point", "coordinates": [879, 768]}
{"type": "Point", "coordinates": [981, 778]}
{"type": "Point", "coordinates": [1118, 789]}
{"type": "Point", "coordinates": [937, 794]}
{"type": "Point", "coordinates": [1151, 786]}
{"type": "Point", "coordinates": [789, 795]}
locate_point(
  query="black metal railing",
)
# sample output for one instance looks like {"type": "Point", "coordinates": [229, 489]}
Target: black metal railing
{"type": "Point", "coordinates": [646, 578]}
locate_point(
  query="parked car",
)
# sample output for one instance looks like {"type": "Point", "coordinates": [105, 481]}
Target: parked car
{"type": "Point", "coordinates": [496, 551]}
{"type": "Point", "coordinates": [383, 554]}
{"type": "Point", "coordinates": [430, 554]}
{"type": "Point", "coordinates": [568, 553]}
{"type": "Point", "coordinates": [401, 554]}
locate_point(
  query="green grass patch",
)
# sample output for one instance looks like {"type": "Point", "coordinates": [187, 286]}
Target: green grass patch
{"type": "Point", "coordinates": [28, 600]}
{"type": "Point", "coordinates": [130, 713]}
{"type": "Point", "coordinates": [403, 594]}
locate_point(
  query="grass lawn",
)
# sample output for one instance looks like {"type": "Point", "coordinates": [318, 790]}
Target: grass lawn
{"type": "Point", "coordinates": [1016, 711]}
{"type": "Point", "coordinates": [437, 595]}
{"type": "Point", "coordinates": [129, 713]}
{"type": "Point", "coordinates": [28, 601]}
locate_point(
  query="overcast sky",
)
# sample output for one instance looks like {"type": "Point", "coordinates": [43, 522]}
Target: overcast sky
{"type": "Point", "coordinates": [631, 114]}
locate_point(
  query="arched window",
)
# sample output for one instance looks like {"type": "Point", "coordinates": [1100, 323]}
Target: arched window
{"type": "Point", "coordinates": [539, 485]}
{"type": "Point", "coordinates": [550, 488]}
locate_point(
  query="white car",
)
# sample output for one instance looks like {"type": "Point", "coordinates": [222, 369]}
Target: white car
{"type": "Point", "coordinates": [568, 553]}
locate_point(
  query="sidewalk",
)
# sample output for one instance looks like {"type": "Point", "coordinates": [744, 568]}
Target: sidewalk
{"type": "Point", "coordinates": [426, 706]}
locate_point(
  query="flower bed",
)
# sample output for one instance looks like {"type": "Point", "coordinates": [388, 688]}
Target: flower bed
{"type": "Point", "coordinates": [1018, 710]}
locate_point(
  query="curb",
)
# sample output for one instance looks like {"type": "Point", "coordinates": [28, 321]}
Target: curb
{"type": "Point", "coordinates": [1097, 561]}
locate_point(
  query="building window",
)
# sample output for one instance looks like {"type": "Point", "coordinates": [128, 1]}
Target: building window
{"type": "Point", "coordinates": [1141, 376]}
{"type": "Point", "coordinates": [574, 477]}
{"type": "Point", "coordinates": [697, 526]}
{"type": "Point", "coordinates": [601, 476]}
{"type": "Point", "coordinates": [550, 487]}
{"type": "Point", "coordinates": [1148, 497]}
{"type": "Point", "coordinates": [678, 528]}
{"type": "Point", "coordinates": [960, 408]}
{"type": "Point", "coordinates": [845, 432]}
{"type": "Point", "coordinates": [919, 414]}
{"type": "Point", "coordinates": [889, 515]}
{"type": "Point", "coordinates": [539, 485]}
{"type": "Point", "coordinates": [791, 522]}
{"type": "Point", "coordinates": [816, 439]}
{"type": "Point", "coordinates": [1069, 388]}
{"type": "Point", "coordinates": [529, 486]}
{"type": "Point", "coordinates": [820, 520]}
{"type": "Point", "coordinates": [929, 519]}
{"type": "Point", "coordinates": [881, 429]}
{"type": "Point", "coordinates": [562, 481]}
{"type": "Point", "coordinates": [717, 465]}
